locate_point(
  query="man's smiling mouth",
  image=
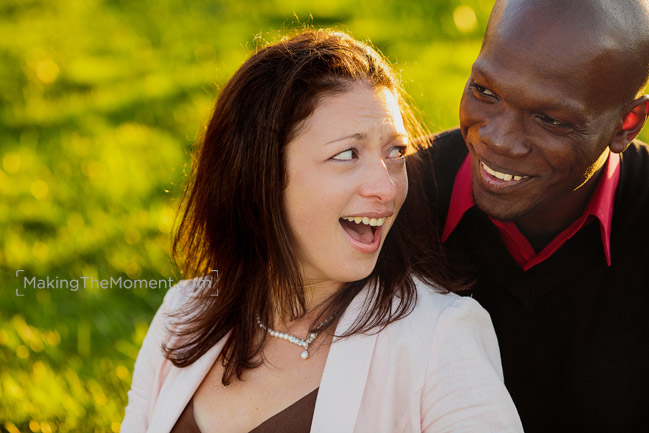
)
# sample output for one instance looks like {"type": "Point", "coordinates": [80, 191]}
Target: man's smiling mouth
{"type": "Point", "coordinates": [507, 177]}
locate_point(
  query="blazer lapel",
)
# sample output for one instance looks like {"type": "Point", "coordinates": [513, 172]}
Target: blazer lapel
{"type": "Point", "coordinates": [178, 389]}
{"type": "Point", "coordinates": [344, 376]}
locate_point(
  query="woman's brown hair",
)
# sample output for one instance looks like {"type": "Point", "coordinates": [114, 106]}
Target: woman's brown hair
{"type": "Point", "coordinates": [233, 220]}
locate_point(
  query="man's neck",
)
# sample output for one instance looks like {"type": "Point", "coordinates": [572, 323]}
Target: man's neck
{"type": "Point", "coordinates": [542, 225]}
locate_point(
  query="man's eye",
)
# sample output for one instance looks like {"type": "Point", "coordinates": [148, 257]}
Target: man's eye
{"type": "Point", "coordinates": [483, 90]}
{"type": "Point", "coordinates": [549, 120]}
{"type": "Point", "coordinates": [397, 152]}
{"type": "Point", "coordinates": [346, 155]}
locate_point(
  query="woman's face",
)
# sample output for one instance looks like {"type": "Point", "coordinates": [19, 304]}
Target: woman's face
{"type": "Point", "coordinates": [346, 183]}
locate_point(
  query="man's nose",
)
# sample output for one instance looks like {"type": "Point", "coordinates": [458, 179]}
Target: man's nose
{"type": "Point", "coordinates": [378, 182]}
{"type": "Point", "coordinates": [505, 134]}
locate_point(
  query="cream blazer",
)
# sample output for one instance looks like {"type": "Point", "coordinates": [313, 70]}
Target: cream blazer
{"type": "Point", "coordinates": [436, 370]}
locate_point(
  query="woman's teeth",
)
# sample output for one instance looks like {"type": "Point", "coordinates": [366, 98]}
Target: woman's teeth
{"type": "Point", "coordinates": [374, 222]}
{"type": "Point", "coordinates": [502, 176]}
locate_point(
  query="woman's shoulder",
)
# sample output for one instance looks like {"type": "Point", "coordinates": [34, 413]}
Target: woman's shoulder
{"type": "Point", "coordinates": [182, 292]}
{"type": "Point", "coordinates": [434, 302]}
{"type": "Point", "coordinates": [442, 328]}
{"type": "Point", "coordinates": [177, 306]}
{"type": "Point", "coordinates": [185, 291]}
{"type": "Point", "coordinates": [438, 315]}
{"type": "Point", "coordinates": [441, 321]}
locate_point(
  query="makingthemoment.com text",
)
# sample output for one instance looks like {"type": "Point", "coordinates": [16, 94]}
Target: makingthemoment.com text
{"type": "Point", "coordinates": [75, 284]}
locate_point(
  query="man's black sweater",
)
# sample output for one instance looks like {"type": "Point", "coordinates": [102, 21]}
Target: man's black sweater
{"type": "Point", "coordinates": [573, 332]}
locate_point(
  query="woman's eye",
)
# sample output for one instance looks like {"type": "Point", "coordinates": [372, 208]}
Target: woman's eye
{"type": "Point", "coordinates": [397, 152]}
{"type": "Point", "coordinates": [483, 90]}
{"type": "Point", "coordinates": [346, 155]}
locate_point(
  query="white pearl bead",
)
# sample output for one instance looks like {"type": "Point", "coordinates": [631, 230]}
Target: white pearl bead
{"type": "Point", "coordinates": [304, 355]}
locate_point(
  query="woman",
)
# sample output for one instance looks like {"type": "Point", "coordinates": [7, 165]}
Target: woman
{"type": "Point", "coordinates": [310, 319]}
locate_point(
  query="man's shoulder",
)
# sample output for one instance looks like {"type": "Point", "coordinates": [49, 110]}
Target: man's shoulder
{"type": "Point", "coordinates": [431, 171]}
{"type": "Point", "coordinates": [634, 164]}
{"type": "Point", "coordinates": [448, 136]}
{"type": "Point", "coordinates": [444, 156]}
{"type": "Point", "coordinates": [446, 142]}
{"type": "Point", "coordinates": [637, 150]}
{"type": "Point", "coordinates": [633, 189]}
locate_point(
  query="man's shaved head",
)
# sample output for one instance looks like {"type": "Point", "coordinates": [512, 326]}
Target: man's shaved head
{"type": "Point", "coordinates": [557, 86]}
{"type": "Point", "coordinates": [610, 35]}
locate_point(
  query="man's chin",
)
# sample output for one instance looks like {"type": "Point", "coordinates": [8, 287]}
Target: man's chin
{"type": "Point", "coordinates": [501, 211]}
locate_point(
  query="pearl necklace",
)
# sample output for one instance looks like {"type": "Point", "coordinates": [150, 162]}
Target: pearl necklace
{"type": "Point", "coordinates": [302, 342]}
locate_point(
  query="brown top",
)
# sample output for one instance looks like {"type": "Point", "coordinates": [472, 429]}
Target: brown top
{"type": "Point", "coordinates": [294, 419]}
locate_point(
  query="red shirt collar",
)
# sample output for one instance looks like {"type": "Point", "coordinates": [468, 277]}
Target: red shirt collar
{"type": "Point", "coordinates": [600, 206]}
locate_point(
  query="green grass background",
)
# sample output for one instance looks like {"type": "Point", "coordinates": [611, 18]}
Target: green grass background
{"type": "Point", "coordinates": [101, 102]}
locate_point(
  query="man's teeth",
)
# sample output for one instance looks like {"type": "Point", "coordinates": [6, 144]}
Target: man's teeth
{"type": "Point", "coordinates": [374, 222]}
{"type": "Point", "coordinates": [502, 176]}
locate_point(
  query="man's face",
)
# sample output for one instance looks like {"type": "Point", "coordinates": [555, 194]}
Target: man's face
{"type": "Point", "coordinates": [536, 126]}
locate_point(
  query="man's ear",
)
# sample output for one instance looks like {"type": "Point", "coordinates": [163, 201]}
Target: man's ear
{"type": "Point", "coordinates": [632, 123]}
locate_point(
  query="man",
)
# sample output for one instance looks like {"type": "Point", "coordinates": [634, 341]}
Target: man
{"type": "Point", "coordinates": [544, 200]}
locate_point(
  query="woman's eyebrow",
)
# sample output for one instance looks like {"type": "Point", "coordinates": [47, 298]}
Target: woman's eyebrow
{"type": "Point", "coordinates": [358, 136]}
{"type": "Point", "coordinates": [361, 136]}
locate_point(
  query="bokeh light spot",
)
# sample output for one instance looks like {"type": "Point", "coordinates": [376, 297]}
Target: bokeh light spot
{"type": "Point", "coordinates": [11, 162]}
{"type": "Point", "coordinates": [94, 170]}
{"type": "Point", "coordinates": [36, 345]}
{"type": "Point", "coordinates": [11, 427]}
{"type": "Point", "coordinates": [132, 269]}
{"type": "Point", "coordinates": [465, 18]}
{"type": "Point", "coordinates": [34, 426]}
{"type": "Point", "coordinates": [38, 368]}
{"type": "Point", "coordinates": [75, 220]}
{"type": "Point", "coordinates": [121, 372]}
{"type": "Point", "coordinates": [22, 351]}
{"type": "Point", "coordinates": [40, 250]}
{"type": "Point", "coordinates": [47, 71]}
{"type": "Point", "coordinates": [100, 398]}
{"type": "Point", "coordinates": [39, 189]}
{"type": "Point", "coordinates": [166, 219]}
{"type": "Point", "coordinates": [53, 338]}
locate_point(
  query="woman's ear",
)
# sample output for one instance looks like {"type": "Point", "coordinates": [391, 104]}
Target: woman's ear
{"type": "Point", "coordinates": [632, 123]}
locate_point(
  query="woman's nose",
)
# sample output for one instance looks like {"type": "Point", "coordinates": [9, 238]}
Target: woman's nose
{"type": "Point", "coordinates": [378, 182]}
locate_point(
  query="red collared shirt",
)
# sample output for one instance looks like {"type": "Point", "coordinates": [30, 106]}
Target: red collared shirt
{"type": "Point", "coordinates": [600, 206]}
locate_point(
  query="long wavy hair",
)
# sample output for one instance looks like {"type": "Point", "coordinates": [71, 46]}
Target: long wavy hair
{"type": "Point", "coordinates": [232, 218]}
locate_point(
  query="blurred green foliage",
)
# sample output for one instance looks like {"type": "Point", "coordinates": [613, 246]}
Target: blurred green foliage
{"type": "Point", "coordinates": [100, 104]}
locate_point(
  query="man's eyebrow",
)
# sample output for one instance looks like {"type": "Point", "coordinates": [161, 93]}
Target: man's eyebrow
{"type": "Point", "coordinates": [576, 119]}
{"type": "Point", "coordinates": [482, 71]}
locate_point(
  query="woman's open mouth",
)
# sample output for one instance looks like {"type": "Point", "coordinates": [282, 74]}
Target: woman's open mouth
{"type": "Point", "coordinates": [364, 232]}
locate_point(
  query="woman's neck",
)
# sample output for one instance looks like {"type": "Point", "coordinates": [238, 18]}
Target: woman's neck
{"type": "Point", "coordinates": [315, 296]}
